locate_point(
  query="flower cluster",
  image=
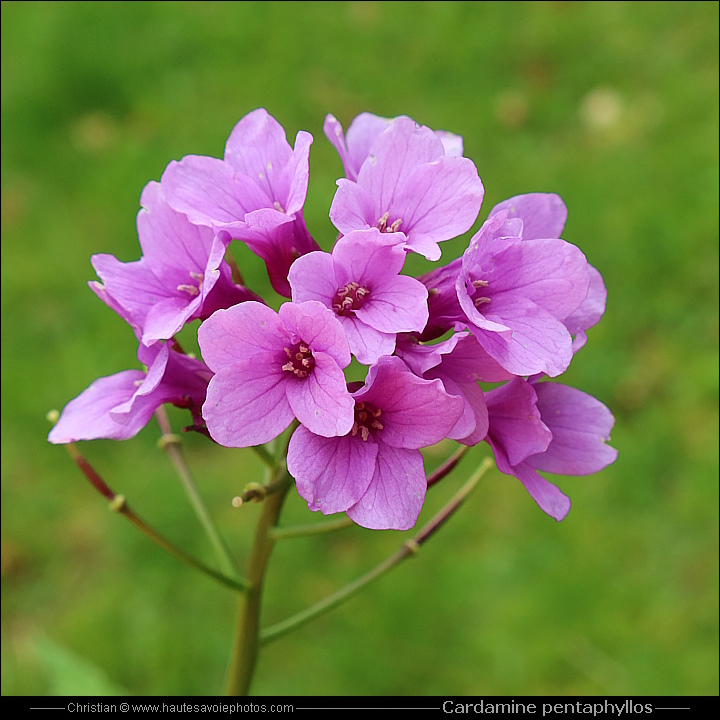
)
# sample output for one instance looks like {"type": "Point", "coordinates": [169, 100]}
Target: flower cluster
{"type": "Point", "coordinates": [511, 311]}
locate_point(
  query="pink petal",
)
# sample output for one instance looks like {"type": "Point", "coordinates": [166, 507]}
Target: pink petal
{"type": "Point", "coordinates": [353, 207]}
{"type": "Point", "coordinates": [168, 239]}
{"type": "Point", "coordinates": [318, 327]}
{"type": "Point", "coordinates": [239, 332]}
{"type": "Point", "coordinates": [551, 273]}
{"type": "Point", "coordinates": [168, 317]}
{"type": "Point", "coordinates": [396, 492]}
{"type": "Point", "coordinates": [592, 308]}
{"type": "Point", "coordinates": [321, 401]}
{"type": "Point", "coordinates": [209, 191]}
{"type": "Point", "coordinates": [415, 412]}
{"type": "Point", "coordinates": [362, 133]}
{"type": "Point", "coordinates": [131, 289]}
{"type": "Point", "coordinates": [312, 277]}
{"type": "Point", "coordinates": [439, 201]}
{"type": "Point", "coordinates": [246, 404]}
{"type": "Point", "coordinates": [87, 417]}
{"type": "Point", "coordinates": [332, 474]}
{"type": "Point", "coordinates": [368, 257]}
{"type": "Point", "coordinates": [366, 344]}
{"type": "Point", "coordinates": [393, 158]}
{"type": "Point", "coordinates": [550, 499]}
{"type": "Point", "coordinates": [472, 427]}
{"type": "Point", "coordinates": [279, 240]}
{"type": "Point", "coordinates": [580, 425]}
{"type": "Point", "coordinates": [452, 143]}
{"type": "Point", "coordinates": [543, 214]}
{"type": "Point", "coordinates": [469, 360]}
{"type": "Point", "coordinates": [258, 148]}
{"type": "Point", "coordinates": [515, 421]}
{"type": "Point", "coordinates": [396, 306]}
{"type": "Point", "coordinates": [297, 173]}
{"type": "Point", "coordinates": [539, 342]}
{"type": "Point", "coordinates": [334, 133]}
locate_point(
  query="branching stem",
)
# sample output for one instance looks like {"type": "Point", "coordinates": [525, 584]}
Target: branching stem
{"type": "Point", "coordinates": [171, 445]}
{"type": "Point", "coordinates": [119, 505]}
{"type": "Point", "coordinates": [408, 549]}
{"type": "Point", "coordinates": [246, 644]}
{"type": "Point", "coordinates": [318, 528]}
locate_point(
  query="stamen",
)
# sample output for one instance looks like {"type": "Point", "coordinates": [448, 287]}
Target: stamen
{"type": "Point", "coordinates": [349, 298]}
{"type": "Point", "coordinates": [479, 283]}
{"type": "Point", "coordinates": [191, 289]}
{"type": "Point", "coordinates": [366, 422]}
{"type": "Point", "coordinates": [278, 206]}
{"type": "Point", "coordinates": [300, 360]}
{"type": "Point", "coordinates": [382, 224]}
{"type": "Point", "coordinates": [477, 302]}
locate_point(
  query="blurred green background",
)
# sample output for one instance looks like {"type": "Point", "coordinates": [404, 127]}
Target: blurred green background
{"type": "Point", "coordinates": [612, 105]}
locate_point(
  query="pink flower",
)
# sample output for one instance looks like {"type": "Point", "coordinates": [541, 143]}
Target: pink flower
{"type": "Point", "coordinates": [515, 291]}
{"type": "Point", "coordinates": [256, 193]}
{"type": "Point", "coordinates": [181, 276]}
{"type": "Point", "coordinates": [550, 427]}
{"type": "Point", "coordinates": [375, 473]}
{"type": "Point", "coordinates": [119, 406]}
{"type": "Point", "coordinates": [354, 147]}
{"type": "Point", "coordinates": [361, 283]}
{"type": "Point", "coordinates": [408, 184]}
{"type": "Point", "coordinates": [272, 367]}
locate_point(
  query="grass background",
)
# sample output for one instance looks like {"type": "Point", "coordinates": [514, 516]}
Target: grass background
{"type": "Point", "coordinates": [612, 105]}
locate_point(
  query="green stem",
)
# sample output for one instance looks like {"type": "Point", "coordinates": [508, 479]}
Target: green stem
{"type": "Point", "coordinates": [296, 531]}
{"type": "Point", "coordinates": [171, 445]}
{"type": "Point", "coordinates": [408, 549]}
{"type": "Point", "coordinates": [246, 644]}
{"type": "Point", "coordinates": [118, 504]}
{"type": "Point", "coordinates": [265, 456]}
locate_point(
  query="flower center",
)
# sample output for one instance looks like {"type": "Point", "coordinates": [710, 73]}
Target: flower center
{"type": "Point", "coordinates": [367, 420]}
{"type": "Point", "coordinates": [193, 290]}
{"type": "Point", "coordinates": [382, 224]}
{"type": "Point", "coordinates": [478, 298]}
{"type": "Point", "coordinates": [349, 298]}
{"type": "Point", "coordinates": [300, 360]}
